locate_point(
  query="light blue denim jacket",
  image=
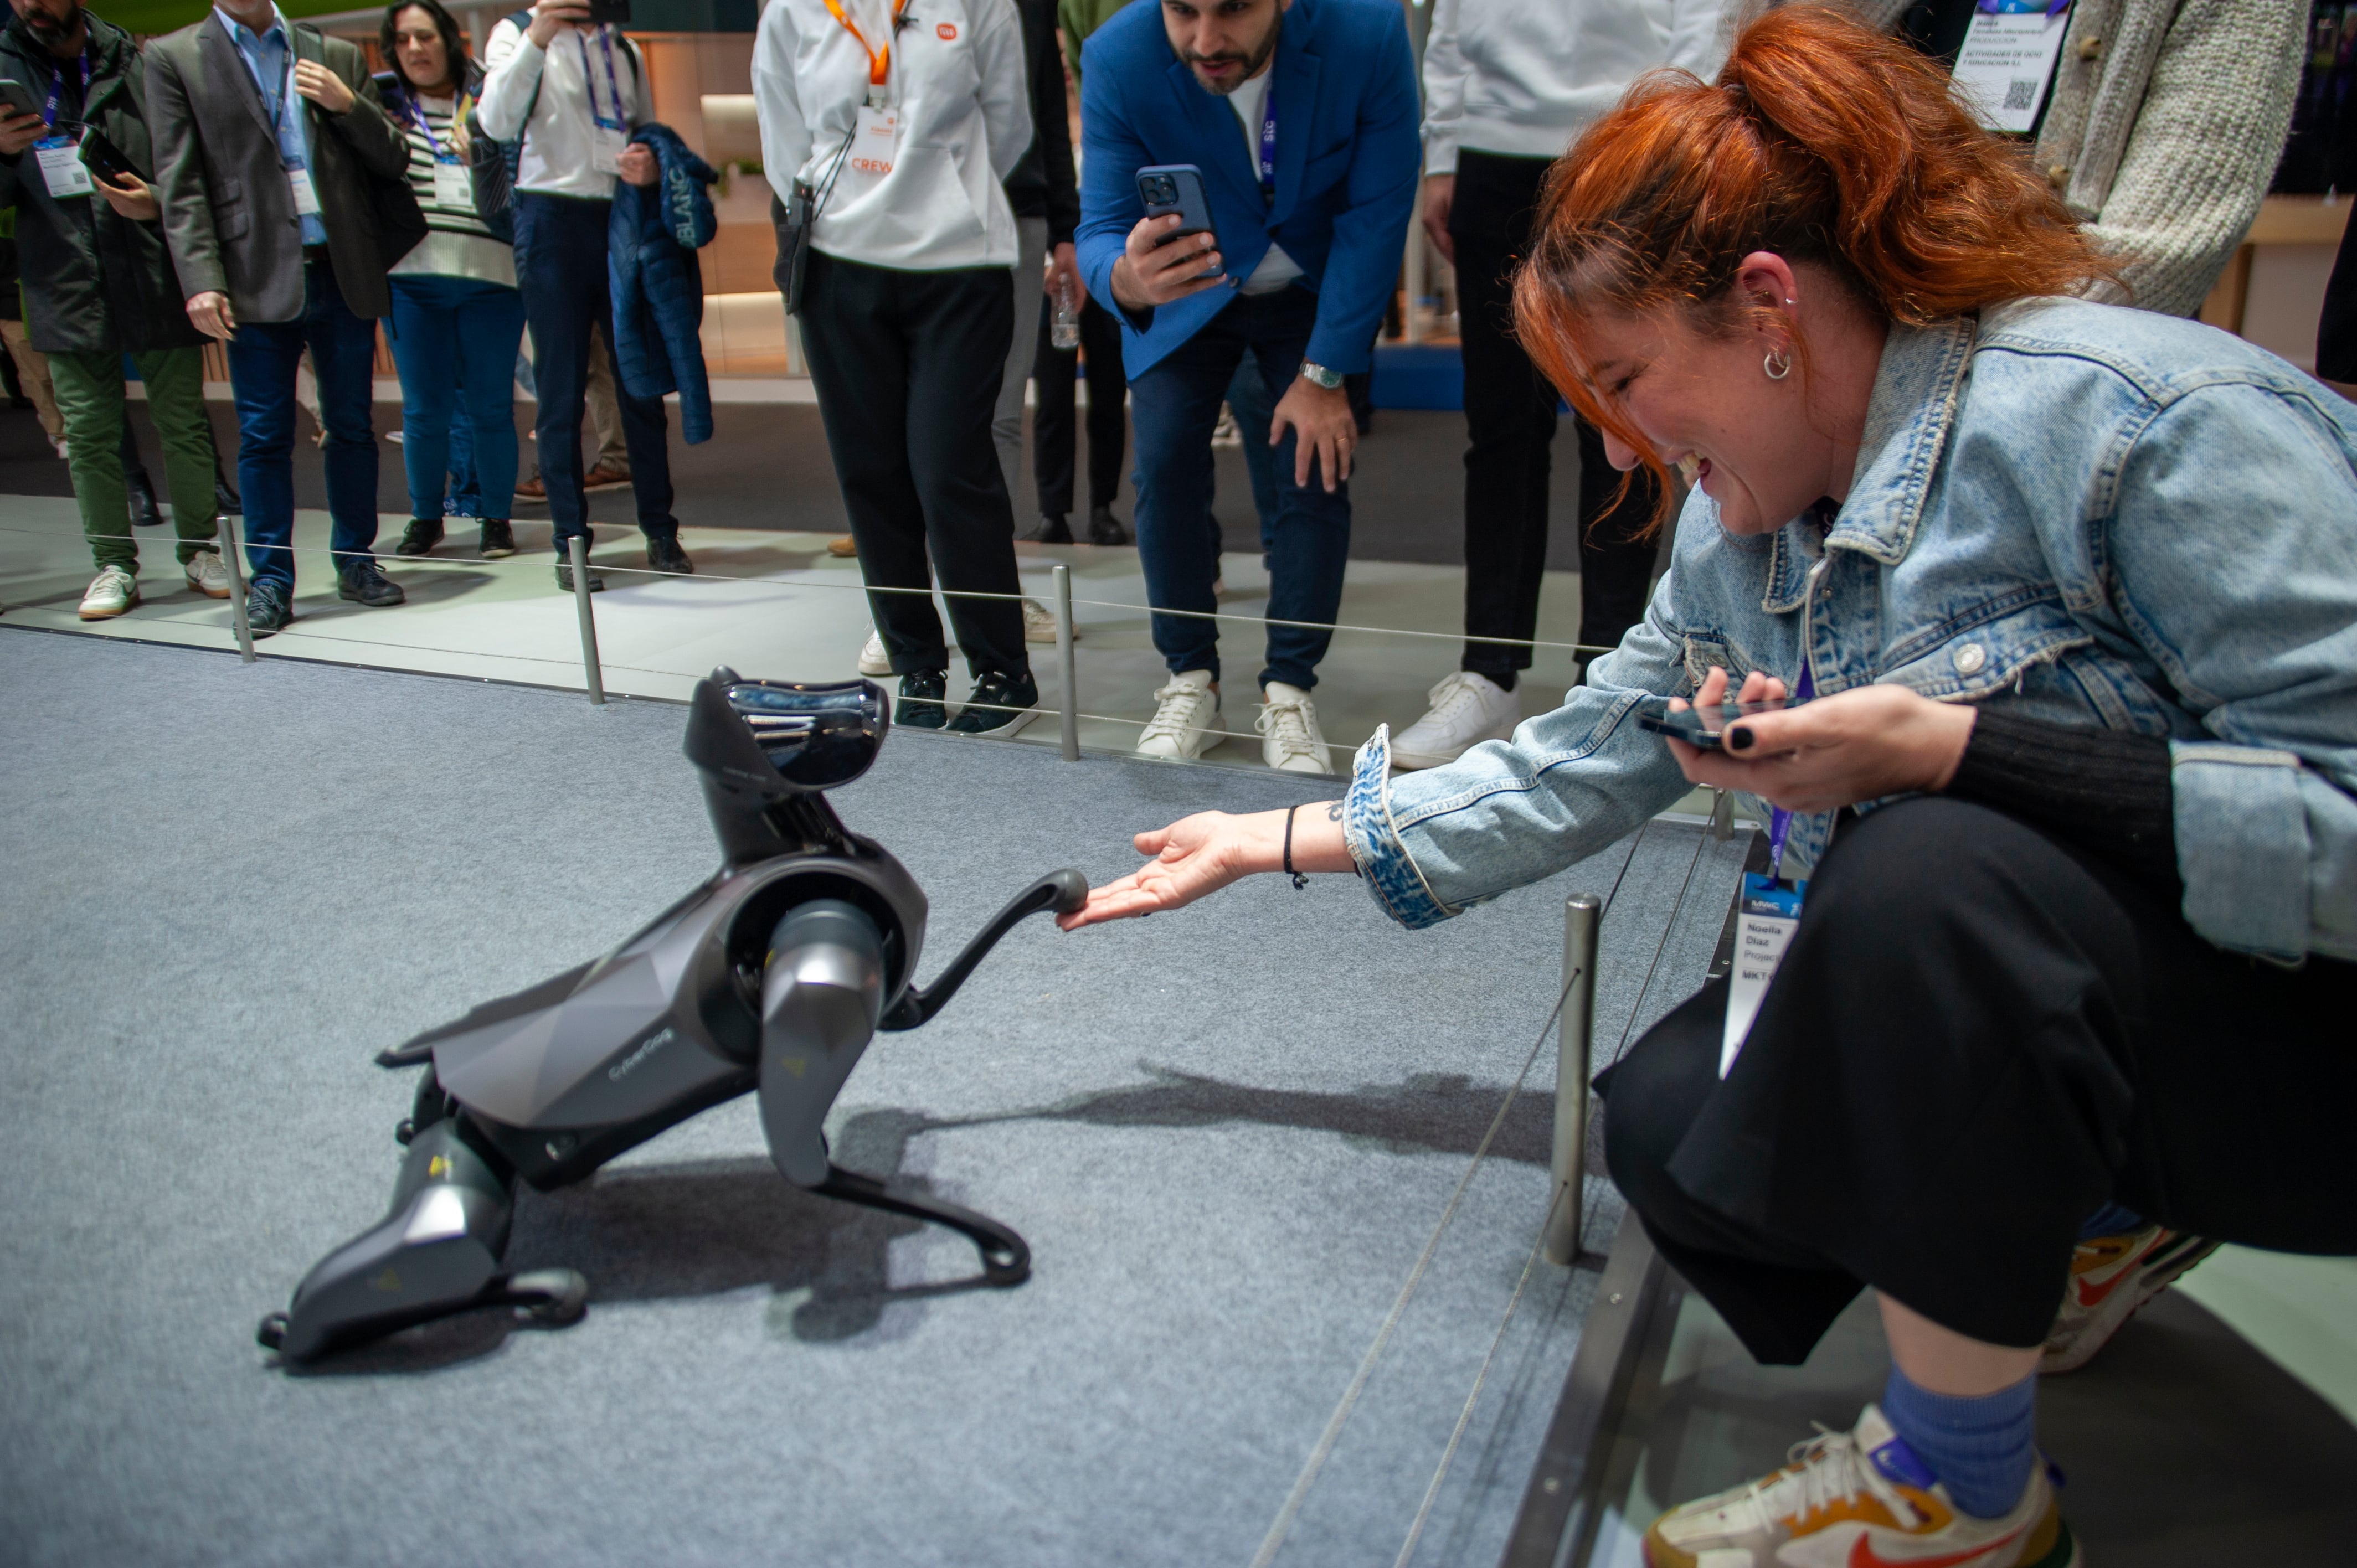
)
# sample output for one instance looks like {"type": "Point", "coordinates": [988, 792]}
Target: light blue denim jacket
{"type": "Point", "coordinates": [2081, 514]}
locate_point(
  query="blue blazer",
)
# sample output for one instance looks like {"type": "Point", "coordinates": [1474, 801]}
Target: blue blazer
{"type": "Point", "coordinates": [1348, 154]}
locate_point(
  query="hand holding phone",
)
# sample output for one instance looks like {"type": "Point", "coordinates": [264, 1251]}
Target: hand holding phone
{"type": "Point", "coordinates": [1702, 727]}
{"type": "Point", "coordinates": [20, 117]}
{"type": "Point", "coordinates": [1171, 252]}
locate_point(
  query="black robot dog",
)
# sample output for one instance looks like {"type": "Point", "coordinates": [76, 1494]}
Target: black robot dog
{"type": "Point", "coordinates": [771, 977]}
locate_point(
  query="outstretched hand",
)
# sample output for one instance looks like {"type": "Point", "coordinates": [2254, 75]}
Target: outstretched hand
{"type": "Point", "coordinates": [1198, 855]}
{"type": "Point", "coordinates": [1859, 744]}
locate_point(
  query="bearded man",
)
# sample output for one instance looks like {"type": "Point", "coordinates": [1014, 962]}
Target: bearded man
{"type": "Point", "coordinates": [1300, 117]}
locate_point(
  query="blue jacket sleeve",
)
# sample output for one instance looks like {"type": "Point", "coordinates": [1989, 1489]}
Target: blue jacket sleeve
{"type": "Point", "coordinates": [1112, 154]}
{"type": "Point", "coordinates": [1371, 232]}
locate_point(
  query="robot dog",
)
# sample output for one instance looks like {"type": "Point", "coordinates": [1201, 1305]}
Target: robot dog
{"type": "Point", "coordinates": [771, 978]}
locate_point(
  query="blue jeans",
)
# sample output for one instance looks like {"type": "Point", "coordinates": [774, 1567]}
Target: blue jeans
{"type": "Point", "coordinates": [455, 339]}
{"type": "Point", "coordinates": [561, 264]}
{"type": "Point", "coordinates": [1173, 408]}
{"type": "Point", "coordinates": [262, 361]}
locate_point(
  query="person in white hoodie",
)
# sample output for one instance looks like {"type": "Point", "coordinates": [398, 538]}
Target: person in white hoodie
{"type": "Point", "coordinates": [1508, 85]}
{"type": "Point", "coordinates": [903, 117]}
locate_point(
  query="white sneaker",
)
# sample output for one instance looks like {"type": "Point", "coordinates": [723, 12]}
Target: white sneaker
{"type": "Point", "coordinates": [1186, 711]}
{"type": "Point", "coordinates": [208, 575]}
{"type": "Point", "coordinates": [873, 660]}
{"type": "Point", "coordinates": [1039, 624]}
{"type": "Point", "coordinates": [1289, 737]}
{"type": "Point", "coordinates": [1467, 709]}
{"type": "Point", "coordinates": [111, 592]}
{"type": "Point", "coordinates": [1225, 433]}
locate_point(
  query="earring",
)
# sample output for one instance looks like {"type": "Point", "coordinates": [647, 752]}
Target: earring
{"type": "Point", "coordinates": [1778, 364]}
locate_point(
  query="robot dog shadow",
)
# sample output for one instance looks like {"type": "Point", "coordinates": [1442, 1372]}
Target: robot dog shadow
{"type": "Point", "coordinates": [651, 1233]}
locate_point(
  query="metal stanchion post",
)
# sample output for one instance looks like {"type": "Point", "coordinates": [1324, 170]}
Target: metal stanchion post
{"type": "Point", "coordinates": [1581, 913]}
{"type": "Point", "coordinates": [579, 549]}
{"type": "Point", "coordinates": [1065, 668]}
{"type": "Point", "coordinates": [1722, 814]}
{"type": "Point", "coordinates": [236, 589]}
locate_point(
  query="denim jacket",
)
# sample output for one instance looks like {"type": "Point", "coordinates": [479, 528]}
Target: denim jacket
{"type": "Point", "coordinates": [2081, 514]}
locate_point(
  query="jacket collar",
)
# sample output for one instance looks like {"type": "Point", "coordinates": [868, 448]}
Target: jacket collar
{"type": "Point", "coordinates": [1907, 419]}
{"type": "Point", "coordinates": [108, 48]}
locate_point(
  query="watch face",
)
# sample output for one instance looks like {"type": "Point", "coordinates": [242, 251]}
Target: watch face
{"type": "Point", "coordinates": [1324, 378]}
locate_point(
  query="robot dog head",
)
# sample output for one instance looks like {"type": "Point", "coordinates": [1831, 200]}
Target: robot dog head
{"type": "Point", "coordinates": [766, 748]}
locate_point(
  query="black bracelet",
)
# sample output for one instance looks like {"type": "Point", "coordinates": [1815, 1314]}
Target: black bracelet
{"type": "Point", "coordinates": [1299, 880]}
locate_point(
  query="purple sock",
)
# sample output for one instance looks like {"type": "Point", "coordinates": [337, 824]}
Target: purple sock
{"type": "Point", "coordinates": [1984, 1448]}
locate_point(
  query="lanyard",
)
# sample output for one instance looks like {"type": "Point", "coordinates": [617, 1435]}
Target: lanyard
{"type": "Point", "coordinates": [1780, 821]}
{"type": "Point", "coordinates": [277, 106]}
{"type": "Point", "coordinates": [58, 88]}
{"type": "Point", "coordinates": [613, 82]}
{"type": "Point", "coordinates": [1268, 142]}
{"type": "Point", "coordinates": [458, 109]}
{"type": "Point", "coordinates": [879, 62]}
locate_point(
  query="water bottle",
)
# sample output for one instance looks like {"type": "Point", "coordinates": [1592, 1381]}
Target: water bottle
{"type": "Point", "coordinates": [1064, 332]}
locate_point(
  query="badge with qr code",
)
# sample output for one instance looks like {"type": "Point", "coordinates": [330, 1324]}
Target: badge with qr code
{"type": "Point", "coordinates": [2005, 68]}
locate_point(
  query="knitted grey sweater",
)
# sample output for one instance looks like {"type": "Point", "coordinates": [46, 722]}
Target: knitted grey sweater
{"type": "Point", "coordinates": [2168, 119]}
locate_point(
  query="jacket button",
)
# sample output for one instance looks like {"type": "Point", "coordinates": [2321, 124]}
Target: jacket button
{"type": "Point", "coordinates": [2091, 48]}
{"type": "Point", "coordinates": [1969, 659]}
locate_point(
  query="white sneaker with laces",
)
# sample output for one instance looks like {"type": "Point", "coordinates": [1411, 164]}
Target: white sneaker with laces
{"type": "Point", "coordinates": [1290, 741]}
{"type": "Point", "coordinates": [1186, 713]}
{"type": "Point", "coordinates": [1039, 624]}
{"type": "Point", "coordinates": [2111, 1276]}
{"type": "Point", "coordinates": [208, 575]}
{"type": "Point", "coordinates": [111, 592]}
{"type": "Point", "coordinates": [1859, 1500]}
{"type": "Point", "coordinates": [873, 660]}
{"type": "Point", "coordinates": [1225, 433]}
{"type": "Point", "coordinates": [1467, 709]}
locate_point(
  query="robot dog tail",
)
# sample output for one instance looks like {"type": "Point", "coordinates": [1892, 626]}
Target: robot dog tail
{"type": "Point", "coordinates": [436, 1251]}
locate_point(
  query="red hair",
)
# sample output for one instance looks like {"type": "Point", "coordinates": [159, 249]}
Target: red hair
{"type": "Point", "coordinates": [1822, 142]}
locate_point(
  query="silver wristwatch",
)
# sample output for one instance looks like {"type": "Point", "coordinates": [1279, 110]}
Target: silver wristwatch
{"type": "Point", "coordinates": [1320, 375]}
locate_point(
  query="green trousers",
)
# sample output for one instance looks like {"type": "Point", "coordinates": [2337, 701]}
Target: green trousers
{"type": "Point", "coordinates": [90, 399]}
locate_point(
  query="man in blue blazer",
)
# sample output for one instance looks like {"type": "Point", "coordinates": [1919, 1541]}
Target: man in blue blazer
{"type": "Point", "coordinates": [1302, 116]}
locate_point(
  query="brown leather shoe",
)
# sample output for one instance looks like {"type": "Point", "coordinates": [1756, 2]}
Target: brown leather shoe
{"type": "Point", "coordinates": [605, 477]}
{"type": "Point", "coordinates": [842, 544]}
{"type": "Point", "coordinates": [534, 490]}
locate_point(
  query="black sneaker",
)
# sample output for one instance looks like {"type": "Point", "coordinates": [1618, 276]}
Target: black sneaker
{"type": "Point", "coordinates": [999, 705]}
{"type": "Point", "coordinates": [1104, 528]}
{"type": "Point", "coordinates": [364, 582]}
{"type": "Point", "coordinates": [564, 578]}
{"type": "Point", "coordinates": [267, 609]}
{"type": "Point", "coordinates": [664, 554]}
{"type": "Point", "coordinates": [420, 537]}
{"type": "Point", "coordinates": [920, 699]}
{"type": "Point", "coordinates": [145, 512]}
{"type": "Point", "coordinates": [225, 499]}
{"type": "Point", "coordinates": [497, 539]}
{"type": "Point", "coordinates": [1052, 529]}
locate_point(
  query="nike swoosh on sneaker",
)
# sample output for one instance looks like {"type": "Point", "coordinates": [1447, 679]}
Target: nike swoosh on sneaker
{"type": "Point", "coordinates": [1862, 1553]}
{"type": "Point", "coordinates": [2093, 1295]}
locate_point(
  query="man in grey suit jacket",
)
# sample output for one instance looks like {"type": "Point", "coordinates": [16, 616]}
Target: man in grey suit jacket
{"type": "Point", "coordinates": [267, 135]}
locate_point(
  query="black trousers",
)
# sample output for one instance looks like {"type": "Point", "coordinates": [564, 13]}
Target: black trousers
{"type": "Point", "coordinates": [1977, 1037]}
{"type": "Point", "coordinates": [1052, 423]}
{"type": "Point", "coordinates": [1510, 419]}
{"type": "Point", "coordinates": [907, 366]}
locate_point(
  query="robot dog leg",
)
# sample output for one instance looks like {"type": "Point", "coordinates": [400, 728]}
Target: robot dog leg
{"type": "Point", "coordinates": [822, 997]}
{"type": "Point", "coordinates": [436, 1251]}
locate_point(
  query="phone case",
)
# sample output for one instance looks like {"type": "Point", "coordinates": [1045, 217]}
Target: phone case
{"type": "Point", "coordinates": [1176, 187]}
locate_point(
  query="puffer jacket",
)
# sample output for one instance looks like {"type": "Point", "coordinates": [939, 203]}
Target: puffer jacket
{"type": "Point", "coordinates": [658, 289]}
{"type": "Point", "coordinates": [95, 281]}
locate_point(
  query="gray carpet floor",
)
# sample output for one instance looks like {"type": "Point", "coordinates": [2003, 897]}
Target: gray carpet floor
{"type": "Point", "coordinates": [1226, 1133]}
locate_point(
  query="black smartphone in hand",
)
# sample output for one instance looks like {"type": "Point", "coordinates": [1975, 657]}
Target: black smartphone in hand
{"type": "Point", "coordinates": [615, 11]}
{"type": "Point", "coordinates": [1701, 727]}
{"type": "Point", "coordinates": [102, 156]}
{"type": "Point", "coordinates": [15, 95]}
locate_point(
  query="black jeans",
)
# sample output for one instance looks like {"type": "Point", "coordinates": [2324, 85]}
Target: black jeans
{"type": "Point", "coordinates": [1510, 419]}
{"type": "Point", "coordinates": [906, 365]}
{"type": "Point", "coordinates": [1052, 423]}
{"type": "Point", "coordinates": [1979, 1037]}
{"type": "Point", "coordinates": [561, 267]}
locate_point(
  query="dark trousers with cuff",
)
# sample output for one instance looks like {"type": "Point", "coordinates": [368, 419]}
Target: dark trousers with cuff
{"type": "Point", "coordinates": [262, 358]}
{"type": "Point", "coordinates": [1176, 406]}
{"type": "Point", "coordinates": [906, 365]}
{"type": "Point", "coordinates": [1053, 423]}
{"type": "Point", "coordinates": [560, 256]}
{"type": "Point", "coordinates": [1509, 420]}
{"type": "Point", "coordinates": [1978, 1038]}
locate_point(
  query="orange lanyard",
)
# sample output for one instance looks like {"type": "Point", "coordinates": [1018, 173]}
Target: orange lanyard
{"type": "Point", "coordinates": [879, 62]}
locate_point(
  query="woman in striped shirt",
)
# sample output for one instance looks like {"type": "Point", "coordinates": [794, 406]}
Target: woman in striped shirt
{"type": "Point", "coordinates": [458, 317]}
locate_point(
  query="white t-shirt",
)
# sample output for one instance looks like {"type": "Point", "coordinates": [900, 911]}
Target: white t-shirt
{"type": "Point", "coordinates": [1276, 269]}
